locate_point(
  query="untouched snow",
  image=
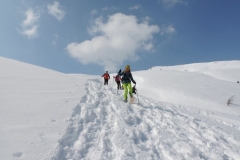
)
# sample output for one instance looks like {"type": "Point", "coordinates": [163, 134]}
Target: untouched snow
{"type": "Point", "coordinates": [34, 101]}
{"type": "Point", "coordinates": [224, 70]}
{"type": "Point", "coordinates": [177, 114]}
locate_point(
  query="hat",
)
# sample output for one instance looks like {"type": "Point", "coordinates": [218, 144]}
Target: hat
{"type": "Point", "coordinates": [127, 66]}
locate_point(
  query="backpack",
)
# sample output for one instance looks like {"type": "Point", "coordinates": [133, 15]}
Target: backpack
{"type": "Point", "coordinates": [117, 78]}
{"type": "Point", "coordinates": [106, 76]}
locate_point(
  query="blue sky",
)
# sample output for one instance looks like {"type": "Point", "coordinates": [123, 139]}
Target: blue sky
{"type": "Point", "coordinates": [91, 36]}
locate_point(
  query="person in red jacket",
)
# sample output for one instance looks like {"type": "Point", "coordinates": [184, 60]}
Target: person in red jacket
{"type": "Point", "coordinates": [118, 81]}
{"type": "Point", "coordinates": [106, 78]}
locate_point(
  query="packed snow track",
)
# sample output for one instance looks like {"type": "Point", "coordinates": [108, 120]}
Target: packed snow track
{"type": "Point", "coordinates": [103, 127]}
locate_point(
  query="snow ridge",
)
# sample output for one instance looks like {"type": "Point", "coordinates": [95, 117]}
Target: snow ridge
{"type": "Point", "coordinates": [103, 127]}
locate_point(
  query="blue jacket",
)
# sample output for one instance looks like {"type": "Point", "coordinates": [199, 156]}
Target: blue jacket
{"type": "Point", "coordinates": [126, 77]}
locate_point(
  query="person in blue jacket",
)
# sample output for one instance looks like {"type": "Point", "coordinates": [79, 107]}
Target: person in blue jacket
{"type": "Point", "coordinates": [126, 81]}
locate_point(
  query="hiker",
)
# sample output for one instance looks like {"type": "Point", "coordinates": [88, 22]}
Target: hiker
{"type": "Point", "coordinates": [126, 80]}
{"type": "Point", "coordinates": [118, 81]}
{"type": "Point", "coordinates": [106, 78]}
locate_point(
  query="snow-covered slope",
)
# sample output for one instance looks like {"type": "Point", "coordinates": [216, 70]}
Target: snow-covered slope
{"type": "Point", "coordinates": [191, 89]}
{"type": "Point", "coordinates": [201, 86]}
{"type": "Point", "coordinates": [104, 127]}
{"type": "Point", "coordinates": [224, 70]}
{"type": "Point", "coordinates": [34, 102]}
{"type": "Point", "coordinates": [177, 114]}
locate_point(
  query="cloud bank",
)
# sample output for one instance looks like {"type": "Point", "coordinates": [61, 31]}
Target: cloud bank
{"type": "Point", "coordinates": [55, 11]}
{"type": "Point", "coordinates": [115, 41]}
{"type": "Point", "coordinates": [29, 25]}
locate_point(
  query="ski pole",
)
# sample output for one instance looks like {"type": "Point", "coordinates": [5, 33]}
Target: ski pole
{"type": "Point", "coordinates": [137, 94]}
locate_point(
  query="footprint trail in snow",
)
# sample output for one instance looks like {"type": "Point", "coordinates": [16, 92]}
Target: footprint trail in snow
{"type": "Point", "coordinates": [103, 127]}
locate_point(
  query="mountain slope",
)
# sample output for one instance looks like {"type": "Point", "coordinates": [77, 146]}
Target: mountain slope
{"type": "Point", "coordinates": [104, 127]}
{"type": "Point", "coordinates": [33, 102]}
{"type": "Point", "coordinates": [180, 115]}
{"type": "Point", "coordinates": [224, 70]}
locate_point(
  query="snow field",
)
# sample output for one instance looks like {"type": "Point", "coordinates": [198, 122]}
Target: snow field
{"type": "Point", "coordinates": [224, 70]}
{"type": "Point", "coordinates": [197, 91]}
{"type": "Point", "coordinates": [181, 115]}
{"type": "Point", "coordinates": [103, 127]}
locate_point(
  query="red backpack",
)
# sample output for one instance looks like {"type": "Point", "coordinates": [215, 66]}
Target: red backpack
{"type": "Point", "coordinates": [106, 76]}
{"type": "Point", "coordinates": [117, 78]}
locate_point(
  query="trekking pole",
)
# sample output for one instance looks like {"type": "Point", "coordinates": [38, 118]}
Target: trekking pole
{"type": "Point", "coordinates": [113, 84]}
{"type": "Point", "coordinates": [109, 81]}
{"type": "Point", "coordinates": [137, 95]}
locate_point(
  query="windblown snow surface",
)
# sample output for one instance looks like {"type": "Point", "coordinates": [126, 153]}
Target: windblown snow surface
{"type": "Point", "coordinates": [176, 114]}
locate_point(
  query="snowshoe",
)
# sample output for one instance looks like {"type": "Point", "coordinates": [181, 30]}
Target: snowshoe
{"type": "Point", "coordinates": [131, 99]}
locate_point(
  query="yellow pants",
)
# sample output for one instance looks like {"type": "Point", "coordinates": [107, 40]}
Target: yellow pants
{"type": "Point", "coordinates": [127, 87]}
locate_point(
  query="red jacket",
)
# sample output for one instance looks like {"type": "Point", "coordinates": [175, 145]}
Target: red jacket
{"type": "Point", "coordinates": [106, 76]}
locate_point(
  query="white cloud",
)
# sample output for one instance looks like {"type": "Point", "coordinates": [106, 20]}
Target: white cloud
{"type": "Point", "coordinates": [171, 3]}
{"type": "Point", "coordinates": [55, 39]}
{"type": "Point", "coordinates": [107, 8]}
{"type": "Point", "coordinates": [168, 30]}
{"type": "Point", "coordinates": [93, 12]}
{"type": "Point", "coordinates": [31, 32]}
{"type": "Point", "coordinates": [31, 18]}
{"type": "Point", "coordinates": [55, 10]}
{"type": "Point", "coordinates": [29, 26]}
{"type": "Point", "coordinates": [136, 7]}
{"type": "Point", "coordinates": [115, 41]}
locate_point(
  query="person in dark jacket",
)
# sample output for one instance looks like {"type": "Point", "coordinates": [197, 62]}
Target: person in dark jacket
{"type": "Point", "coordinates": [126, 80]}
{"type": "Point", "coordinates": [106, 78]}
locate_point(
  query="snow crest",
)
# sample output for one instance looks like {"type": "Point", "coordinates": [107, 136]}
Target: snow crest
{"type": "Point", "coordinates": [103, 127]}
